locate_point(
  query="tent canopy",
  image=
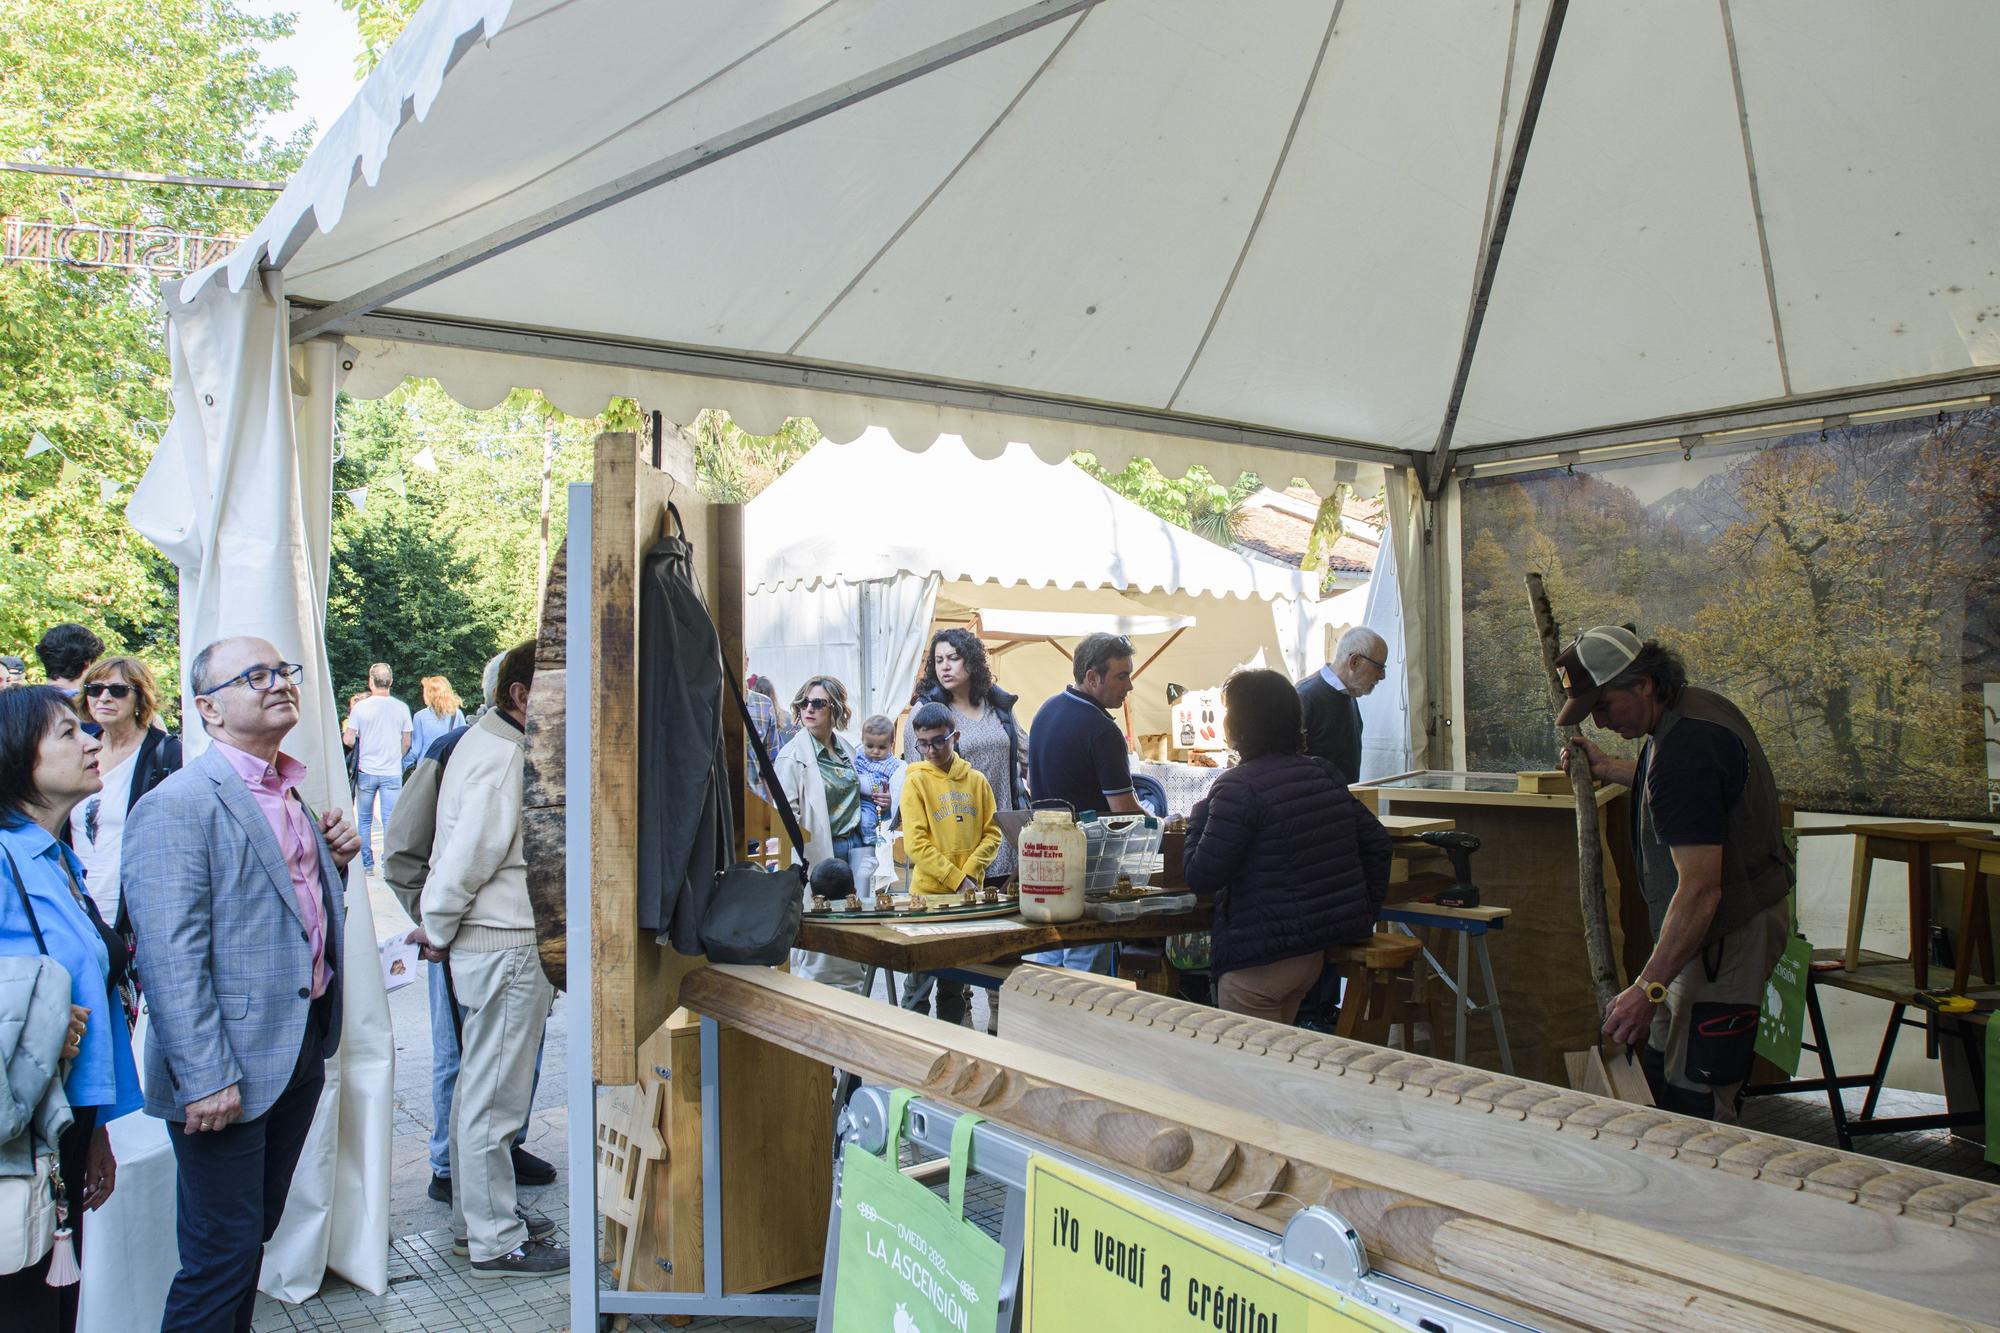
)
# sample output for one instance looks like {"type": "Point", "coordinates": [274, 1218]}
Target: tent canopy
{"type": "Point", "coordinates": [870, 510]}
{"type": "Point", "coordinates": [859, 549]}
{"type": "Point", "coordinates": [1154, 217]}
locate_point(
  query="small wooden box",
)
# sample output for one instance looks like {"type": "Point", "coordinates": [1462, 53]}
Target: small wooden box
{"type": "Point", "coordinates": [1542, 782]}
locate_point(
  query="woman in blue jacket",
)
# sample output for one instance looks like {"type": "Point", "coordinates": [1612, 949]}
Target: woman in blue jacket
{"type": "Point", "coordinates": [47, 765]}
{"type": "Point", "coordinates": [1294, 862]}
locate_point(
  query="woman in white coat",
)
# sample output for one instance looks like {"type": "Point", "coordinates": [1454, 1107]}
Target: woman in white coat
{"type": "Point", "coordinates": [816, 769]}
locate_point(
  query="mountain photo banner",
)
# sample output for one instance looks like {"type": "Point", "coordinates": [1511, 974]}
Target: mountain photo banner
{"type": "Point", "coordinates": [1841, 587]}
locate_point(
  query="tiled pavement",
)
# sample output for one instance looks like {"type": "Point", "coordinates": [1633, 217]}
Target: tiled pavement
{"type": "Point", "coordinates": [432, 1289]}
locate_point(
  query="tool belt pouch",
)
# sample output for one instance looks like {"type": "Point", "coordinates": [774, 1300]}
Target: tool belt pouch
{"type": "Point", "coordinates": [1721, 1042]}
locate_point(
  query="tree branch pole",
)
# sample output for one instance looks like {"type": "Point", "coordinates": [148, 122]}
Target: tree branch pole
{"type": "Point", "coordinates": [1589, 845]}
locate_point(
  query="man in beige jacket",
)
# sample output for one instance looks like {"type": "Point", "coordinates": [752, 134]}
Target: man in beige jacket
{"type": "Point", "coordinates": [475, 907]}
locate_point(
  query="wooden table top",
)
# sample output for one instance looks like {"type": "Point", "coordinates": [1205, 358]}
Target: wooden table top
{"type": "Point", "coordinates": [954, 944]}
{"type": "Point", "coordinates": [1899, 831]}
{"type": "Point", "coordinates": [1887, 978]}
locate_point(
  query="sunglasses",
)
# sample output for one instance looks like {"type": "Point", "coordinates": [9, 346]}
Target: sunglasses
{"type": "Point", "coordinates": [104, 687]}
{"type": "Point", "coordinates": [814, 705]}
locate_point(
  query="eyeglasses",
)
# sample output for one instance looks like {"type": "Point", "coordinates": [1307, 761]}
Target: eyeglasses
{"type": "Point", "coordinates": [1382, 667]}
{"type": "Point", "coordinates": [262, 679]}
{"type": "Point", "coordinates": [101, 687]}
{"type": "Point", "coordinates": [937, 742]}
{"type": "Point", "coordinates": [814, 705]}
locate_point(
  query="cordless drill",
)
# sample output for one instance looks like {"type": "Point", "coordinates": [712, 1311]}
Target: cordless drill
{"type": "Point", "coordinates": [1459, 847]}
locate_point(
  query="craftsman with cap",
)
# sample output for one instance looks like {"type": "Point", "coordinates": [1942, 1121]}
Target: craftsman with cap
{"type": "Point", "coordinates": [1713, 867]}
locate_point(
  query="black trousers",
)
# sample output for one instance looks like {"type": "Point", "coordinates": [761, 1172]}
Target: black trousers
{"type": "Point", "coordinates": [232, 1185]}
{"type": "Point", "coordinates": [27, 1295]}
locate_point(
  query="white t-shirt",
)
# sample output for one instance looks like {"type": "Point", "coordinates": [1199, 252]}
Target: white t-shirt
{"type": "Point", "coordinates": [381, 721]}
{"type": "Point", "coordinates": [97, 832]}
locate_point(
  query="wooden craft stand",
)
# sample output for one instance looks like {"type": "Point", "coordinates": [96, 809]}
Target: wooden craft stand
{"type": "Point", "coordinates": [1920, 846]}
{"type": "Point", "coordinates": [722, 1165]}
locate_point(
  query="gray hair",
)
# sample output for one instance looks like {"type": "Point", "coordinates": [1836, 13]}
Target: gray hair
{"type": "Point", "coordinates": [200, 674]}
{"type": "Point", "coordinates": [489, 679]}
{"type": "Point", "coordinates": [380, 676]}
{"type": "Point", "coordinates": [1663, 666]}
{"type": "Point", "coordinates": [1361, 639]}
{"type": "Point", "coordinates": [1097, 652]}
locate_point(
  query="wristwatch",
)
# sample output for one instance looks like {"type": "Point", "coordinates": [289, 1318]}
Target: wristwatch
{"type": "Point", "coordinates": [1655, 992]}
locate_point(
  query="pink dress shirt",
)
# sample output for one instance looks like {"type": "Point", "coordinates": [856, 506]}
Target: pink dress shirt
{"type": "Point", "coordinates": [275, 789]}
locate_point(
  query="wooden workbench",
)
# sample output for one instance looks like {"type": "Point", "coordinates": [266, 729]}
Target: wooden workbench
{"type": "Point", "coordinates": [881, 944]}
{"type": "Point", "coordinates": [1527, 862]}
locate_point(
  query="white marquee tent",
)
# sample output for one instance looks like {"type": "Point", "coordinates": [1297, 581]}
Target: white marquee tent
{"type": "Point", "coordinates": [1367, 234]}
{"type": "Point", "coordinates": [858, 549]}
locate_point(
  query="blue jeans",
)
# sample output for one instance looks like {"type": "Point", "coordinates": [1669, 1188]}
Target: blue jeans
{"type": "Point", "coordinates": [1082, 958]}
{"type": "Point", "coordinates": [366, 790]}
{"type": "Point", "coordinates": [444, 1073]}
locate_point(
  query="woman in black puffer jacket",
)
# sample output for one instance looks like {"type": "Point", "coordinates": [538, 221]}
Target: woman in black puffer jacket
{"type": "Point", "coordinates": [1294, 862]}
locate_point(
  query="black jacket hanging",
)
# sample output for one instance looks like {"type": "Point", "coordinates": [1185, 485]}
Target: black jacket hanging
{"type": "Point", "coordinates": [685, 812]}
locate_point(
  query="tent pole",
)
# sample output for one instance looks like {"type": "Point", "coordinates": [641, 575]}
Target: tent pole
{"type": "Point", "coordinates": [689, 160]}
{"type": "Point", "coordinates": [1438, 465]}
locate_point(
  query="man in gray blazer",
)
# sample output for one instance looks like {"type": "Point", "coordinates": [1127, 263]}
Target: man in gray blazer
{"type": "Point", "coordinates": [236, 899]}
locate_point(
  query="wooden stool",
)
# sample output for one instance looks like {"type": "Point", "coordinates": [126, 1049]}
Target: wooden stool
{"type": "Point", "coordinates": [1975, 922]}
{"type": "Point", "coordinates": [1380, 988]}
{"type": "Point", "coordinates": [1921, 846]}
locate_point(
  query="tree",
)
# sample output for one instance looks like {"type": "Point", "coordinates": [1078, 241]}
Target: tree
{"type": "Point", "coordinates": [1195, 501]}
{"type": "Point", "coordinates": [380, 23]}
{"type": "Point", "coordinates": [166, 86]}
{"type": "Point", "coordinates": [434, 571]}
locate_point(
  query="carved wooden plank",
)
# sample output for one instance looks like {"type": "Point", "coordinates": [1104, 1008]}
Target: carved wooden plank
{"type": "Point", "coordinates": [543, 813]}
{"type": "Point", "coordinates": [1784, 1202]}
{"type": "Point", "coordinates": [1512, 1251]}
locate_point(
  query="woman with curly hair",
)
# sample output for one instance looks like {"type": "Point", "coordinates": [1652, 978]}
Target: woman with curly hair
{"type": "Point", "coordinates": [958, 675]}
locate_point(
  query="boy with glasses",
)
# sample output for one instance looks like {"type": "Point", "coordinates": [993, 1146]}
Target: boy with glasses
{"type": "Point", "coordinates": [949, 831]}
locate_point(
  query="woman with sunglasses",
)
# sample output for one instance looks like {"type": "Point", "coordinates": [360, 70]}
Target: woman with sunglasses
{"type": "Point", "coordinates": [121, 696]}
{"type": "Point", "coordinates": [816, 770]}
{"type": "Point", "coordinates": [48, 765]}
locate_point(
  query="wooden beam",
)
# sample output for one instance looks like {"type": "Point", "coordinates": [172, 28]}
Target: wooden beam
{"type": "Point", "coordinates": [1157, 651]}
{"type": "Point", "coordinates": [1509, 1250]}
{"type": "Point", "coordinates": [1825, 1214]}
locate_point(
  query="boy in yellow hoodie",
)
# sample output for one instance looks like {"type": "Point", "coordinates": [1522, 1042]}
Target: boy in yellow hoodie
{"type": "Point", "coordinates": [949, 831]}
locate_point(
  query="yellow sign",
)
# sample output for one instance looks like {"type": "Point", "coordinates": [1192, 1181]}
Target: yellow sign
{"type": "Point", "coordinates": [1102, 1261]}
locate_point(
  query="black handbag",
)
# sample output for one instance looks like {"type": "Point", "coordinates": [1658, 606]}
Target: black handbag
{"type": "Point", "coordinates": [753, 915]}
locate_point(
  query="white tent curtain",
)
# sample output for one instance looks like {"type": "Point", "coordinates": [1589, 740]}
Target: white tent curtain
{"type": "Point", "coordinates": [1400, 575]}
{"type": "Point", "coordinates": [1386, 735]}
{"type": "Point", "coordinates": [896, 619]}
{"type": "Point", "coordinates": [238, 495]}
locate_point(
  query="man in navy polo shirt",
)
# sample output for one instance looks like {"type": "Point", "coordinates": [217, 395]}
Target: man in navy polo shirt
{"type": "Point", "coordinates": [1077, 754]}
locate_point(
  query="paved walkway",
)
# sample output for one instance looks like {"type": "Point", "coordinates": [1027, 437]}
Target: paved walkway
{"type": "Point", "coordinates": [432, 1289]}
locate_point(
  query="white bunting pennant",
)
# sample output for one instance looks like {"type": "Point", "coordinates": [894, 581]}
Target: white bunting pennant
{"type": "Point", "coordinates": [107, 490]}
{"type": "Point", "coordinates": [396, 484]}
{"type": "Point", "coordinates": [39, 443]}
{"type": "Point", "coordinates": [358, 497]}
{"type": "Point", "coordinates": [424, 459]}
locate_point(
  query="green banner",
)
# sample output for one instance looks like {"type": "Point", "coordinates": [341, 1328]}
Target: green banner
{"type": "Point", "coordinates": [1993, 1088]}
{"type": "Point", "coordinates": [1782, 1024]}
{"type": "Point", "coordinates": [909, 1261]}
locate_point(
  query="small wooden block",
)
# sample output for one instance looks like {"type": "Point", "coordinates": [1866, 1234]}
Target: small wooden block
{"type": "Point", "coordinates": [1542, 782]}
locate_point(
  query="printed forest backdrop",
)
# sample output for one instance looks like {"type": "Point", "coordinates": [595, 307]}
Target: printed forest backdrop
{"type": "Point", "coordinates": [1840, 587]}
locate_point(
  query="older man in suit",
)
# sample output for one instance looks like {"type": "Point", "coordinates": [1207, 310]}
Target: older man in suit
{"type": "Point", "coordinates": [235, 894]}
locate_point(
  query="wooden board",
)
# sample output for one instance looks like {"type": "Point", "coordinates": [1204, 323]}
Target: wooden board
{"type": "Point", "coordinates": [1409, 826]}
{"type": "Point", "coordinates": [1404, 798]}
{"type": "Point", "coordinates": [1542, 781]}
{"type": "Point", "coordinates": [1612, 1076]}
{"type": "Point", "coordinates": [636, 980]}
{"type": "Point", "coordinates": [1505, 1248]}
{"type": "Point", "coordinates": [914, 916]}
{"type": "Point", "coordinates": [881, 945]}
{"type": "Point", "coordinates": [544, 822]}
{"type": "Point", "coordinates": [1606, 1157]}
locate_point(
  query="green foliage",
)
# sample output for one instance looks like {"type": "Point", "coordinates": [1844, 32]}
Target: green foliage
{"type": "Point", "coordinates": [380, 23]}
{"type": "Point", "coordinates": [733, 466]}
{"type": "Point", "coordinates": [167, 86]}
{"type": "Point", "coordinates": [1196, 501]}
{"type": "Point", "coordinates": [1830, 588]}
{"type": "Point", "coordinates": [436, 580]}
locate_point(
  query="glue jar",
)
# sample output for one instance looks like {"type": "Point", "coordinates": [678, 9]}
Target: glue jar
{"type": "Point", "coordinates": [1054, 853]}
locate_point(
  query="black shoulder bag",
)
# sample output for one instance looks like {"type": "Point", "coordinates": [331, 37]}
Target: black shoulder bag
{"type": "Point", "coordinates": [753, 915]}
